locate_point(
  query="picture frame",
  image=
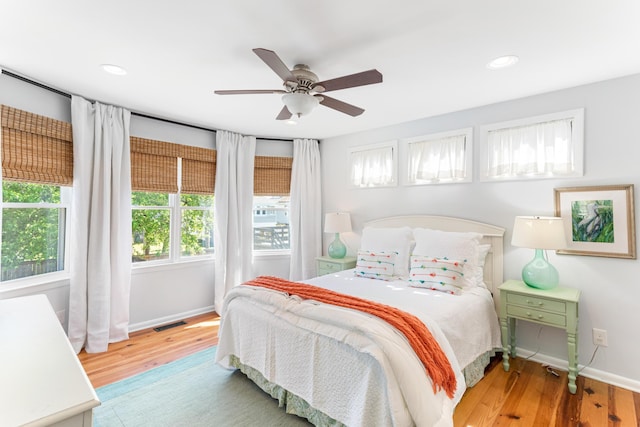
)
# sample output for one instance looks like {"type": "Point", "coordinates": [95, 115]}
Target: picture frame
{"type": "Point", "coordinates": [598, 220]}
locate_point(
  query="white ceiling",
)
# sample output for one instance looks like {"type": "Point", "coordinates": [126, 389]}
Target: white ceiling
{"type": "Point", "coordinates": [432, 54]}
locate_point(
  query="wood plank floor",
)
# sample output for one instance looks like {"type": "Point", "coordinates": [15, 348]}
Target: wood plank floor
{"type": "Point", "coordinates": [527, 395]}
{"type": "Point", "coordinates": [147, 349]}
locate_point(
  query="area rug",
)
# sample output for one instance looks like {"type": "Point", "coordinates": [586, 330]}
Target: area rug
{"type": "Point", "coordinates": [193, 391]}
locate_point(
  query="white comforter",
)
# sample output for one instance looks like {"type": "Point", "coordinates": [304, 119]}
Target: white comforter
{"type": "Point", "coordinates": [350, 365]}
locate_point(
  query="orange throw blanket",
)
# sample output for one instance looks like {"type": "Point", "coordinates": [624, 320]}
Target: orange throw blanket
{"type": "Point", "coordinates": [424, 344]}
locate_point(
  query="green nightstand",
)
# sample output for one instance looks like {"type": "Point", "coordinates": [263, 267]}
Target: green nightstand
{"type": "Point", "coordinates": [327, 265]}
{"type": "Point", "coordinates": [557, 307]}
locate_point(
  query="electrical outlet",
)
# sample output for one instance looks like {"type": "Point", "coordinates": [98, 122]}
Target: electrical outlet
{"type": "Point", "coordinates": [600, 337]}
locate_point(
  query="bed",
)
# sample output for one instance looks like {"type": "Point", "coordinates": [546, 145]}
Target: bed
{"type": "Point", "coordinates": [339, 366]}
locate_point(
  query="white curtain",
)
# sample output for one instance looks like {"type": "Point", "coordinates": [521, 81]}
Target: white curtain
{"type": "Point", "coordinates": [539, 149]}
{"type": "Point", "coordinates": [306, 210]}
{"type": "Point", "coordinates": [436, 160]}
{"type": "Point", "coordinates": [100, 258]}
{"type": "Point", "coordinates": [233, 209]}
{"type": "Point", "coordinates": [372, 167]}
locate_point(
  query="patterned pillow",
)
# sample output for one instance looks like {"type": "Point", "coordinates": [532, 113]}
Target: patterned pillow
{"type": "Point", "coordinates": [437, 273]}
{"type": "Point", "coordinates": [375, 265]}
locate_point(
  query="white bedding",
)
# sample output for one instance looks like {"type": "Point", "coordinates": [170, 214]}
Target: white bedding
{"type": "Point", "coordinates": [350, 365]}
{"type": "Point", "coordinates": [469, 321]}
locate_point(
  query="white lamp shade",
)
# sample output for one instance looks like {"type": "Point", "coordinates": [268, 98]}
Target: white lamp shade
{"type": "Point", "coordinates": [337, 222]}
{"type": "Point", "coordinates": [539, 232]}
{"type": "Point", "coordinates": [300, 104]}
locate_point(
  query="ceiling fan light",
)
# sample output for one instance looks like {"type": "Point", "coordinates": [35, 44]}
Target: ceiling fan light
{"type": "Point", "coordinates": [300, 104]}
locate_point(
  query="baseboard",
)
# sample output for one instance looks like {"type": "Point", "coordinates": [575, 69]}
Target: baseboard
{"type": "Point", "coordinates": [596, 374]}
{"type": "Point", "coordinates": [168, 319]}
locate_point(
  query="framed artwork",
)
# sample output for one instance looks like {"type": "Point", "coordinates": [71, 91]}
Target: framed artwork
{"type": "Point", "coordinates": [598, 220]}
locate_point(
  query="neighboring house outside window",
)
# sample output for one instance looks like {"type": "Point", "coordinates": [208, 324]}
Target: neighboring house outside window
{"type": "Point", "coordinates": [271, 189]}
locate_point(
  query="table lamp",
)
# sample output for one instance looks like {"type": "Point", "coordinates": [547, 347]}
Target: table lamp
{"type": "Point", "coordinates": [539, 233]}
{"type": "Point", "coordinates": [337, 222]}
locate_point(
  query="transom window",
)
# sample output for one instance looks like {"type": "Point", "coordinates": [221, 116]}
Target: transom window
{"type": "Point", "coordinates": [440, 158]}
{"type": "Point", "coordinates": [374, 165]}
{"type": "Point", "coordinates": [549, 146]}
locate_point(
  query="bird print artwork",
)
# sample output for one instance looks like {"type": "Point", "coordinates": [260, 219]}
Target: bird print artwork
{"type": "Point", "coordinates": [592, 221]}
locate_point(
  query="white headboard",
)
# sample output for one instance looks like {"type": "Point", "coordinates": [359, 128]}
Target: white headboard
{"type": "Point", "coordinates": [493, 235]}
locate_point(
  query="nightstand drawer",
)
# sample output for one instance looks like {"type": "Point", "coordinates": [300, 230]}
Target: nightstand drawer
{"type": "Point", "coordinates": [326, 265]}
{"type": "Point", "coordinates": [329, 267]}
{"type": "Point", "coordinates": [536, 315]}
{"type": "Point", "coordinates": [539, 303]}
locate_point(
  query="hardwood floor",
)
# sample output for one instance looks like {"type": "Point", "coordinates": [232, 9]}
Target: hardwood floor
{"type": "Point", "coordinates": [147, 348]}
{"type": "Point", "coordinates": [527, 395]}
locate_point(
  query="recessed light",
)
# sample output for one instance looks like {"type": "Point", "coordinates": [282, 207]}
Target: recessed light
{"type": "Point", "coordinates": [114, 69]}
{"type": "Point", "coordinates": [503, 62]}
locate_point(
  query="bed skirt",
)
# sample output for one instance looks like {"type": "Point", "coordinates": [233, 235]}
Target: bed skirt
{"type": "Point", "coordinates": [296, 405]}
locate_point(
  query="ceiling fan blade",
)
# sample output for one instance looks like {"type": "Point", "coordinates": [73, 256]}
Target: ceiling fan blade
{"type": "Point", "coordinates": [275, 63]}
{"type": "Point", "coordinates": [247, 92]}
{"type": "Point", "coordinates": [284, 114]}
{"type": "Point", "coordinates": [353, 80]}
{"type": "Point", "coordinates": [343, 107]}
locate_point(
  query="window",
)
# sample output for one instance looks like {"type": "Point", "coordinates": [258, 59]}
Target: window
{"type": "Point", "coordinates": [440, 158]}
{"type": "Point", "coordinates": [271, 189]}
{"type": "Point", "coordinates": [172, 201]}
{"type": "Point", "coordinates": [549, 146]}
{"type": "Point", "coordinates": [196, 233]}
{"type": "Point", "coordinates": [34, 224]}
{"type": "Point", "coordinates": [373, 165]}
{"type": "Point", "coordinates": [271, 223]}
{"type": "Point", "coordinates": [152, 217]}
{"type": "Point", "coordinates": [37, 171]}
{"type": "Point", "coordinates": [151, 226]}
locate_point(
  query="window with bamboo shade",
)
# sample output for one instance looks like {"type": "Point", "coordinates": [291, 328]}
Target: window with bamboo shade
{"type": "Point", "coordinates": [37, 172]}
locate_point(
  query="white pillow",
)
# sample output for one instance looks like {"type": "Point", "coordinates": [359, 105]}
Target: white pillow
{"type": "Point", "coordinates": [483, 251]}
{"type": "Point", "coordinates": [398, 240]}
{"type": "Point", "coordinates": [375, 265]}
{"type": "Point", "coordinates": [438, 274]}
{"type": "Point", "coordinates": [451, 245]}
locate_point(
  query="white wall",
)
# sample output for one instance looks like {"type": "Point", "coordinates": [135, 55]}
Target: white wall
{"type": "Point", "coordinates": [159, 294]}
{"type": "Point", "coordinates": [610, 287]}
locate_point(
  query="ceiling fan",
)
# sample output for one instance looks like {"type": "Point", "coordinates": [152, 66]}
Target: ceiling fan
{"type": "Point", "coordinates": [301, 93]}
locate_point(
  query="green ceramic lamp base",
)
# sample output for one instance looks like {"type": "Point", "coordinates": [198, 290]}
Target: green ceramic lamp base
{"type": "Point", "coordinates": [538, 273]}
{"type": "Point", "coordinates": [337, 249]}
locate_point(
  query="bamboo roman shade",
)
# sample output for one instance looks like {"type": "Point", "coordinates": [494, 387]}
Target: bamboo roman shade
{"type": "Point", "coordinates": [198, 170]}
{"type": "Point", "coordinates": [36, 148]}
{"type": "Point", "coordinates": [154, 167]}
{"type": "Point", "coordinates": [272, 176]}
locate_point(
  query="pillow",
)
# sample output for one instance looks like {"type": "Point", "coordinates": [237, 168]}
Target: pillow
{"type": "Point", "coordinates": [440, 274]}
{"type": "Point", "coordinates": [483, 251]}
{"type": "Point", "coordinates": [452, 245]}
{"type": "Point", "coordinates": [375, 265]}
{"type": "Point", "coordinates": [398, 240]}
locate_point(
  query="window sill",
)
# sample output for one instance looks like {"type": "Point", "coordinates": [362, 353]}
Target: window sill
{"type": "Point", "coordinates": [272, 254]}
{"type": "Point", "coordinates": [164, 266]}
{"type": "Point", "coordinates": [38, 284]}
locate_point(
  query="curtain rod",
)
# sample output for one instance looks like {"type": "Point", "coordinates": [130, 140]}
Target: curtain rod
{"type": "Point", "coordinates": [146, 116]}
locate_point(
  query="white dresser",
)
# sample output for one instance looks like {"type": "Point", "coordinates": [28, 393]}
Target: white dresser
{"type": "Point", "coordinates": [42, 382]}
